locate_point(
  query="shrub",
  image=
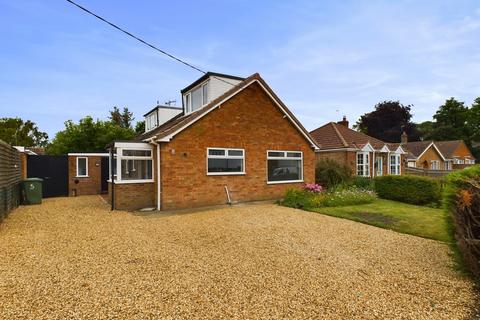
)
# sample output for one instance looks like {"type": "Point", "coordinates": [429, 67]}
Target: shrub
{"type": "Point", "coordinates": [330, 173]}
{"type": "Point", "coordinates": [409, 189]}
{"type": "Point", "coordinates": [363, 183]}
{"type": "Point", "coordinates": [461, 200]}
{"type": "Point", "coordinates": [300, 199]}
{"type": "Point", "coordinates": [312, 187]}
{"type": "Point", "coordinates": [349, 197]}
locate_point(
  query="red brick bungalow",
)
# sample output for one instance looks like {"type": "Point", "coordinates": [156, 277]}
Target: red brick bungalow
{"type": "Point", "coordinates": [365, 155]}
{"type": "Point", "coordinates": [233, 140]}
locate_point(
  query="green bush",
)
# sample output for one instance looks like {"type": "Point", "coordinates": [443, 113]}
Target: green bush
{"type": "Point", "coordinates": [461, 201]}
{"type": "Point", "coordinates": [363, 183]}
{"type": "Point", "coordinates": [330, 173]}
{"type": "Point", "coordinates": [409, 189]}
{"type": "Point", "coordinates": [300, 199]}
{"type": "Point", "coordinates": [348, 197]}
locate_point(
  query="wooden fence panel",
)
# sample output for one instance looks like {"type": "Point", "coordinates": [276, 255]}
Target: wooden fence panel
{"type": "Point", "coordinates": [10, 178]}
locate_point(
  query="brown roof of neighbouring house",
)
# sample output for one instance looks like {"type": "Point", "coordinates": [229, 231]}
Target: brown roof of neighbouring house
{"type": "Point", "coordinates": [337, 136]}
{"type": "Point", "coordinates": [446, 148]}
{"type": "Point", "coordinates": [180, 121]}
{"type": "Point", "coordinates": [416, 148]}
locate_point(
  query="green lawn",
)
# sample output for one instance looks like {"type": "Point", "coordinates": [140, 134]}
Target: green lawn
{"type": "Point", "coordinates": [406, 218]}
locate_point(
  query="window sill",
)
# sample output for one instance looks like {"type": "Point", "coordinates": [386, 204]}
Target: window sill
{"type": "Point", "coordinates": [226, 173]}
{"type": "Point", "coordinates": [132, 181]}
{"type": "Point", "coordinates": [282, 182]}
{"type": "Point", "coordinates": [82, 176]}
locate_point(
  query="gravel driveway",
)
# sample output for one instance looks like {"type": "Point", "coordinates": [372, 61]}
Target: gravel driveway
{"type": "Point", "coordinates": [73, 258]}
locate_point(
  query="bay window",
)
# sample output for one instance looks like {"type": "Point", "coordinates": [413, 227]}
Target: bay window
{"type": "Point", "coordinates": [284, 166]}
{"type": "Point", "coordinates": [395, 164]}
{"type": "Point", "coordinates": [363, 164]}
{"type": "Point", "coordinates": [223, 161]}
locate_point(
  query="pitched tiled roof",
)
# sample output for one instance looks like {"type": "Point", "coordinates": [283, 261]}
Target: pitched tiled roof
{"type": "Point", "coordinates": [336, 136]}
{"type": "Point", "coordinates": [416, 148]}
{"type": "Point", "coordinates": [181, 121]}
{"type": "Point", "coordinates": [448, 147]}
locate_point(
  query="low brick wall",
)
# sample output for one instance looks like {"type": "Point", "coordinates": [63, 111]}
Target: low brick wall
{"type": "Point", "coordinates": [132, 196]}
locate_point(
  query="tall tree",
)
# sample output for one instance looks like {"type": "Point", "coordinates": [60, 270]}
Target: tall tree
{"type": "Point", "coordinates": [88, 136]}
{"type": "Point", "coordinates": [388, 121]}
{"type": "Point", "coordinates": [15, 131]}
{"type": "Point", "coordinates": [426, 129]}
{"type": "Point", "coordinates": [140, 127]}
{"type": "Point", "coordinates": [473, 124]}
{"type": "Point", "coordinates": [451, 121]}
{"type": "Point", "coordinates": [121, 118]}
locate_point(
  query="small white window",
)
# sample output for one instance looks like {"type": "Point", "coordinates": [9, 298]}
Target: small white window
{"type": "Point", "coordinates": [188, 108]}
{"type": "Point", "coordinates": [284, 166]}
{"type": "Point", "coordinates": [205, 93]}
{"type": "Point", "coordinates": [82, 167]}
{"type": "Point", "coordinates": [379, 166]}
{"type": "Point", "coordinates": [435, 165]}
{"type": "Point", "coordinates": [222, 161]}
{"type": "Point", "coordinates": [363, 164]}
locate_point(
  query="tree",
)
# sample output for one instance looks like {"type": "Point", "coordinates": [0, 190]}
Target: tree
{"type": "Point", "coordinates": [140, 127]}
{"type": "Point", "coordinates": [473, 124]}
{"type": "Point", "coordinates": [123, 119]}
{"type": "Point", "coordinates": [426, 129]}
{"type": "Point", "coordinates": [451, 121]}
{"type": "Point", "coordinates": [88, 136]}
{"type": "Point", "coordinates": [388, 121]}
{"type": "Point", "coordinates": [17, 132]}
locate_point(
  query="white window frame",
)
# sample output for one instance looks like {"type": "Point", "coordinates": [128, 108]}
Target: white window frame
{"type": "Point", "coordinates": [285, 157]}
{"type": "Point", "coordinates": [378, 171]}
{"type": "Point", "coordinates": [119, 157]}
{"type": "Point", "coordinates": [188, 102]}
{"type": "Point", "coordinates": [366, 163]}
{"type": "Point", "coordinates": [86, 168]}
{"type": "Point", "coordinates": [226, 156]}
{"type": "Point", "coordinates": [437, 165]}
{"type": "Point", "coordinates": [398, 165]}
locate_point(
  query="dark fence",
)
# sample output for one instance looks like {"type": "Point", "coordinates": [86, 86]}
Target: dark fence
{"type": "Point", "coordinates": [10, 177]}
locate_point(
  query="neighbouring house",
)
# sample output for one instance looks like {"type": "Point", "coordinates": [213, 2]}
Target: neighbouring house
{"type": "Point", "coordinates": [365, 155]}
{"type": "Point", "coordinates": [88, 173]}
{"type": "Point", "coordinates": [233, 140]}
{"type": "Point", "coordinates": [437, 155]}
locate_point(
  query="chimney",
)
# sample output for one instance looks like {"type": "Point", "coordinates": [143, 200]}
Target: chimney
{"type": "Point", "coordinates": [344, 121]}
{"type": "Point", "coordinates": [404, 138]}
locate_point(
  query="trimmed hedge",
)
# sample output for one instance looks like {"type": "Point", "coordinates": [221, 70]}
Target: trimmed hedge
{"type": "Point", "coordinates": [461, 201]}
{"type": "Point", "coordinates": [329, 173]}
{"type": "Point", "coordinates": [409, 189]}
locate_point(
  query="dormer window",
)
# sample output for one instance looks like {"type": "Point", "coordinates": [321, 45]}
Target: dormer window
{"type": "Point", "coordinates": [151, 121]}
{"type": "Point", "coordinates": [196, 98]}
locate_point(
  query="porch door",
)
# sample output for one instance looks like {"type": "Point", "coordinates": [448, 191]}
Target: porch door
{"type": "Point", "coordinates": [378, 166]}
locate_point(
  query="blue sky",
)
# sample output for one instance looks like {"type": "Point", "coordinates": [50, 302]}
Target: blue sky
{"type": "Point", "coordinates": [323, 58]}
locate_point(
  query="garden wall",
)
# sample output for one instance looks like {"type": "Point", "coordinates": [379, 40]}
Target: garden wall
{"type": "Point", "coordinates": [10, 177]}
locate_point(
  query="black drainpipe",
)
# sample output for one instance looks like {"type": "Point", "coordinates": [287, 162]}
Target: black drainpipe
{"type": "Point", "coordinates": [112, 202]}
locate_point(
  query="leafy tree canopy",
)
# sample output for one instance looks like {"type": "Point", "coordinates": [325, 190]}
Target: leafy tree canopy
{"type": "Point", "coordinates": [88, 136]}
{"type": "Point", "coordinates": [140, 127]}
{"type": "Point", "coordinates": [451, 121]}
{"type": "Point", "coordinates": [17, 132]}
{"type": "Point", "coordinates": [388, 121]}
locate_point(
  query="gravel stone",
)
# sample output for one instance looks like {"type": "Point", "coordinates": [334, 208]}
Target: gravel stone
{"type": "Point", "coordinates": [71, 258]}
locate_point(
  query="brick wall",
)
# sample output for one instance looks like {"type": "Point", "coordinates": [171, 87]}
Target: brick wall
{"type": "Point", "coordinates": [133, 196]}
{"type": "Point", "coordinates": [86, 185]}
{"type": "Point", "coordinates": [251, 121]}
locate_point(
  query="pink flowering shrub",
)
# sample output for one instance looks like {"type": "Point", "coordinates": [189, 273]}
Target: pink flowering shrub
{"type": "Point", "coordinates": [312, 187]}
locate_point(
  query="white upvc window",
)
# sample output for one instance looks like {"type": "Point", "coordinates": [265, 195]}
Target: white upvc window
{"type": "Point", "coordinates": [412, 164]}
{"type": "Point", "coordinates": [469, 161]}
{"type": "Point", "coordinates": [448, 165]}
{"type": "Point", "coordinates": [196, 98]}
{"type": "Point", "coordinates": [379, 166]}
{"type": "Point", "coordinates": [435, 165]}
{"type": "Point", "coordinates": [151, 121]}
{"type": "Point", "coordinates": [394, 164]}
{"type": "Point", "coordinates": [133, 164]}
{"type": "Point", "coordinates": [82, 167]}
{"type": "Point", "coordinates": [363, 164]}
{"type": "Point", "coordinates": [284, 166]}
{"type": "Point", "coordinates": [225, 161]}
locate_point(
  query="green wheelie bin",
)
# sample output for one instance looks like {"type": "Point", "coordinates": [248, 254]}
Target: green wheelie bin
{"type": "Point", "coordinates": [32, 190]}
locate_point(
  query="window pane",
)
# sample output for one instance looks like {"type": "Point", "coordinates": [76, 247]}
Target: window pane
{"type": "Point", "coordinates": [225, 165]}
{"type": "Point", "coordinates": [136, 169]}
{"type": "Point", "coordinates": [235, 153]}
{"type": "Point", "coordinates": [137, 153]}
{"type": "Point", "coordinates": [276, 154]}
{"type": "Point", "coordinates": [196, 99]}
{"type": "Point", "coordinates": [284, 170]}
{"type": "Point", "coordinates": [294, 154]}
{"type": "Point", "coordinates": [82, 167]}
{"type": "Point", "coordinates": [205, 93]}
{"type": "Point", "coordinates": [187, 102]}
{"type": "Point", "coordinates": [216, 152]}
